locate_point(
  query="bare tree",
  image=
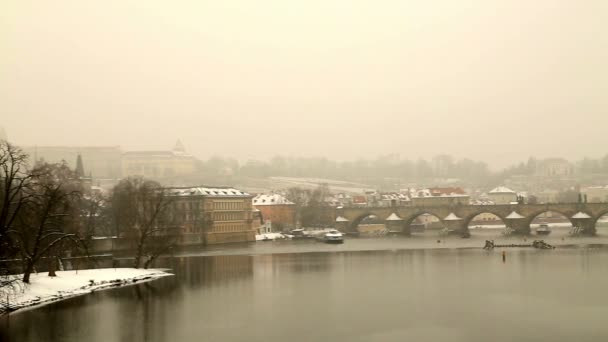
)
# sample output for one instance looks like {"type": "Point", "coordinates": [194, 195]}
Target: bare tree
{"type": "Point", "coordinates": [92, 212]}
{"type": "Point", "coordinates": [14, 180]}
{"type": "Point", "coordinates": [47, 223]}
{"type": "Point", "coordinates": [141, 206]}
{"type": "Point", "coordinates": [308, 204]}
{"type": "Point", "coordinates": [299, 197]}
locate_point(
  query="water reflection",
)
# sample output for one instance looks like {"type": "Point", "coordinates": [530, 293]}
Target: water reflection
{"type": "Point", "coordinates": [437, 295]}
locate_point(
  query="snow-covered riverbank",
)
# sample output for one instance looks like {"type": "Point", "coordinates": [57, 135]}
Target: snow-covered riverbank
{"type": "Point", "coordinates": [44, 289]}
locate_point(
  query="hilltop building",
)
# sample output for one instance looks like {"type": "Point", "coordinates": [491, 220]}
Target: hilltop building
{"type": "Point", "coordinates": [158, 164]}
{"type": "Point", "coordinates": [554, 167]}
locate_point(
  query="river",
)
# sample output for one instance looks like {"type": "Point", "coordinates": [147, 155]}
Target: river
{"type": "Point", "coordinates": [365, 290]}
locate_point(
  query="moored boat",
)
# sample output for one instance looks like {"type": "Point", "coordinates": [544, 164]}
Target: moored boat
{"type": "Point", "coordinates": [333, 236]}
{"type": "Point", "coordinates": [543, 229]}
{"type": "Point", "coordinates": [298, 234]}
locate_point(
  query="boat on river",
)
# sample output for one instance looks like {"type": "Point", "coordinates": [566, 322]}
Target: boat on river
{"type": "Point", "coordinates": [299, 233]}
{"type": "Point", "coordinates": [333, 236]}
{"type": "Point", "coordinates": [543, 229]}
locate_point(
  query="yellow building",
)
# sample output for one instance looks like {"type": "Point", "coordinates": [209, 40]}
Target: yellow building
{"type": "Point", "coordinates": [215, 214]}
{"type": "Point", "coordinates": [158, 164]}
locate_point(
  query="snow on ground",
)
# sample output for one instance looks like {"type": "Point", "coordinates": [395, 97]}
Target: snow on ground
{"type": "Point", "coordinates": [278, 236]}
{"type": "Point", "coordinates": [269, 236]}
{"type": "Point", "coordinates": [44, 289]}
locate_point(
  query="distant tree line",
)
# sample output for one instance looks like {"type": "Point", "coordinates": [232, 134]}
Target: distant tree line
{"type": "Point", "coordinates": [368, 170]}
{"type": "Point", "coordinates": [380, 169]}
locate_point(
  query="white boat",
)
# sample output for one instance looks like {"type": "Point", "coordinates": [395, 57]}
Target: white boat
{"type": "Point", "coordinates": [543, 229]}
{"type": "Point", "coordinates": [299, 233]}
{"type": "Point", "coordinates": [333, 236]}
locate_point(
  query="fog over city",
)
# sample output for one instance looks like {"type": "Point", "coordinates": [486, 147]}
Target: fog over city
{"type": "Point", "coordinates": [303, 170]}
{"type": "Point", "coordinates": [496, 81]}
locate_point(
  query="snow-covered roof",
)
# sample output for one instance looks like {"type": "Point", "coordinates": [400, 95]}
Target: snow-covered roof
{"type": "Point", "coordinates": [341, 219]}
{"type": "Point", "coordinates": [394, 217]}
{"type": "Point", "coordinates": [436, 192]}
{"type": "Point", "coordinates": [481, 202]}
{"type": "Point", "coordinates": [514, 215]}
{"type": "Point", "coordinates": [581, 215]}
{"type": "Point", "coordinates": [422, 193]}
{"type": "Point", "coordinates": [395, 196]}
{"type": "Point", "coordinates": [501, 190]}
{"type": "Point", "coordinates": [452, 217]}
{"type": "Point", "coordinates": [208, 192]}
{"type": "Point", "coordinates": [270, 199]}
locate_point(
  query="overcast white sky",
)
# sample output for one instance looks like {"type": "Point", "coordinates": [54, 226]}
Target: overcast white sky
{"type": "Point", "coordinates": [486, 79]}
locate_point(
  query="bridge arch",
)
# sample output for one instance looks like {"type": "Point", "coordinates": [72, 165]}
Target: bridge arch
{"type": "Point", "coordinates": [470, 218]}
{"type": "Point", "coordinates": [534, 219]}
{"type": "Point", "coordinates": [534, 215]}
{"type": "Point", "coordinates": [354, 225]}
{"type": "Point", "coordinates": [597, 217]}
{"type": "Point", "coordinates": [600, 221]}
{"type": "Point", "coordinates": [409, 220]}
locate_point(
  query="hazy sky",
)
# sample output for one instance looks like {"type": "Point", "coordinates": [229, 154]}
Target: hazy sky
{"type": "Point", "coordinates": [487, 79]}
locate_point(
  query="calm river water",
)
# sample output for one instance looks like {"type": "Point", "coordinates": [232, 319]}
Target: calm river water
{"type": "Point", "coordinates": [350, 293]}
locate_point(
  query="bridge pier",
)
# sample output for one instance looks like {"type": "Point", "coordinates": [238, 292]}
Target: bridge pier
{"type": "Point", "coordinates": [519, 223]}
{"type": "Point", "coordinates": [589, 229]}
{"type": "Point", "coordinates": [405, 229]}
{"type": "Point", "coordinates": [394, 224]}
{"type": "Point", "coordinates": [342, 224]}
{"type": "Point", "coordinates": [456, 224]}
{"type": "Point", "coordinates": [584, 222]}
{"type": "Point", "coordinates": [461, 229]}
{"type": "Point", "coordinates": [521, 227]}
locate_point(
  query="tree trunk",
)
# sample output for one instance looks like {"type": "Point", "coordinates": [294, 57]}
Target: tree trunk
{"type": "Point", "coordinates": [52, 266]}
{"type": "Point", "coordinates": [29, 268]}
{"type": "Point", "coordinates": [138, 255]}
{"type": "Point", "coordinates": [140, 250]}
{"type": "Point", "coordinates": [148, 262]}
{"type": "Point", "coordinates": [136, 262]}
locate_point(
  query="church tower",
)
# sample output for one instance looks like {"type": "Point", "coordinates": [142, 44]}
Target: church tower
{"type": "Point", "coordinates": [79, 166]}
{"type": "Point", "coordinates": [179, 147]}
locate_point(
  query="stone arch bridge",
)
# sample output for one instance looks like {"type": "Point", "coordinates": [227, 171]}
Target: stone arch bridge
{"type": "Point", "coordinates": [458, 217]}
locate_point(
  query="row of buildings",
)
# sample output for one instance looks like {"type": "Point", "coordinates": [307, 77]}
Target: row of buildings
{"type": "Point", "coordinates": [210, 215]}
{"type": "Point", "coordinates": [112, 163]}
{"type": "Point", "coordinates": [279, 213]}
{"type": "Point", "coordinates": [423, 197]}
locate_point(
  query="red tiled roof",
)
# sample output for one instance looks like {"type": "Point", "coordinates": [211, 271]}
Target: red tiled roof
{"type": "Point", "coordinates": [359, 199]}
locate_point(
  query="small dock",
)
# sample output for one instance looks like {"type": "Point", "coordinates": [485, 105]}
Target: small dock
{"type": "Point", "coordinates": [539, 244]}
